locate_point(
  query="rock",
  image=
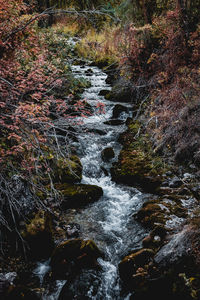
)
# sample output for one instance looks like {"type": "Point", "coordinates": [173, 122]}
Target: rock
{"type": "Point", "coordinates": [72, 230]}
{"type": "Point", "coordinates": [78, 195]}
{"type": "Point", "coordinates": [89, 72]}
{"type": "Point", "coordinates": [107, 154]}
{"type": "Point", "coordinates": [179, 247]}
{"type": "Point", "coordinates": [117, 110]}
{"type": "Point", "coordinates": [130, 264]}
{"type": "Point", "coordinates": [137, 165]}
{"type": "Point", "coordinates": [196, 191]}
{"type": "Point", "coordinates": [156, 238]}
{"type": "Point", "coordinates": [175, 182]}
{"type": "Point", "coordinates": [39, 236]}
{"type": "Point", "coordinates": [68, 170]}
{"type": "Point", "coordinates": [151, 214]}
{"type": "Point", "coordinates": [5, 282]}
{"type": "Point", "coordinates": [103, 92]}
{"type": "Point", "coordinates": [73, 255]}
{"type": "Point", "coordinates": [114, 122]}
{"type": "Point", "coordinates": [79, 288]}
{"type": "Point", "coordinates": [122, 91]}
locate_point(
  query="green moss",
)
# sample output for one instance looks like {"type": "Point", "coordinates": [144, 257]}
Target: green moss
{"type": "Point", "coordinates": [67, 170]}
{"type": "Point", "coordinates": [76, 253]}
{"type": "Point", "coordinates": [39, 235]}
{"type": "Point", "coordinates": [137, 163]}
{"type": "Point", "coordinates": [78, 195]}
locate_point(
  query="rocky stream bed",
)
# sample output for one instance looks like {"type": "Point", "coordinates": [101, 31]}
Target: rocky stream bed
{"type": "Point", "coordinates": [128, 227]}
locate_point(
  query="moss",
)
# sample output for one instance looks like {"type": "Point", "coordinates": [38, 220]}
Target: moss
{"type": "Point", "coordinates": [68, 170]}
{"type": "Point", "coordinates": [78, 195]}
{"type": "Point", "coordinates": [152, 214]}
{"type": "Point", "coordinates": [137, 164]}
{"type": "Point", "coordinates": [39, 235]}
{"type": "Point", "coordinates": [76, 253]}
{"type": "Point", "coordinates": [129, 265]}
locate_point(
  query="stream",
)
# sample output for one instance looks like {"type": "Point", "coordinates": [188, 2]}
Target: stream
{"type": "Point", "coordinates": [109, 221]}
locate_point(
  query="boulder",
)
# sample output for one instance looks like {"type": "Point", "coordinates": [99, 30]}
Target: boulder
{"type": "Point", "coordinates": [175, 182]}
{"type": "Point", "coordinates": [134, 167]}
{"type": "Point", "coordinates": [156, 238]}
{"type": "Point", "coordinates": [129, 265]}
{"type": "Point", "coordinates": [103, 92]}
{"type": "Point", "coordinates": [122, 91]}
{"type": "Point", "coordinates": [114, 122]}
{"type": "Point", "coordinates": [177, 249]}
{"type": "Point", "coordinates": [73, 255]}
{"type": "Point", "coordinates": [67, 170]}
{"type": "Point", "coordinates": [107, 154]}
{"type": "Point", "coordinates": [78, 195]}
{"type": "Point", "coordinates": [151, 214]}
{"type": "Point", "coordinates": [39, 236]}
{"type": "Point", "coordinates": [83, 287]}
{"type": "Point", "coordinates": [117, 110]}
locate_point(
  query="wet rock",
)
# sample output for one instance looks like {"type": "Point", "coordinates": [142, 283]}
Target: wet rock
{"type": "Point", "coordinates": [122, 91]}
{"type": "Point", "coordinates": [103, 92]}
{"type": "Point", "coordinates": [79, 195]}
{"type": "Point", "coordinates": [107, 154]}
{"type": "Point", "coordinates": [83, 287]}
{"type": "Point", "coordinates": [89, 72]}
{"type": "Point", "coordinates": [173, 272]}
{"type": "Point", "coordinates": [134, 167]}
{"type": "Point", "coordinates": [105, 171]}
{"type": "Point", "coordinates": [151, 214]}
{"type": "Point", "coordinates": [117, 110]}
{"type": "Point", "coordinates": [179, 247]}
{"type": "Point", "coordinates": [156, 238]}
{"type": "Point", "coordinates": [196, 191]}
{"type": "Point", "coordinates": [72, 230]}
{"type": "Point", "coordinates": [38, 234]}
{"type": "Point", "coordinates": [68, 170]}
{"type": "Point", "coordinates": [130, 264]}
{"type": "Point", "coordinates": [114, 122]}
{"type": "Point", "coordinates": [6, 281]}
{"type": "Point", "coordinates": [96, 131]}
{"type": "Point", "coordinates": [73, 255]}
{"type": "Point", "coordinates": [175, 182]}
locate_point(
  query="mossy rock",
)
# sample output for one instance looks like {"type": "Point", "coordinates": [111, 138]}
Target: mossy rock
{"type": "Point", "coordinates": [129, 265]}
{"type": "Point", "coordinates": [156, 237]}
{"type": "Point", "coordinates": [79, 195]}
{"type": "Point", "coordinates": [134, 167]}
{"type": "Point", "coordinates": [122, 91]}
{"type": "Point", "coordinates": [74, 254]}
{"type": "Point", "coordinates": [152, 214]}
{"type": "Point", "coordinates": [137, 164]}
{"type": "Point", "coordinates": [39, 235]}
{"type": "Point", "coordinates": [68, 170]}
{"type": "Point", "coordinates": [103, 92]}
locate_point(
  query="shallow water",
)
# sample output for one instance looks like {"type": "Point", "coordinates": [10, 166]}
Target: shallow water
{"type": "Point", "coordinates": [109, 222]}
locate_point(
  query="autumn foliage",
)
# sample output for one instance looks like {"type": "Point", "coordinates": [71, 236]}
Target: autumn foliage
{"type": "Point", "coordinates": [162, 62]}
{"type": "Point", "coordinates": [35, 92]}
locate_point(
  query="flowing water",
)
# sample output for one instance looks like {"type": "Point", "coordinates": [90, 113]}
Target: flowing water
{"type": "Point", "coordinates": [109, 221]}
